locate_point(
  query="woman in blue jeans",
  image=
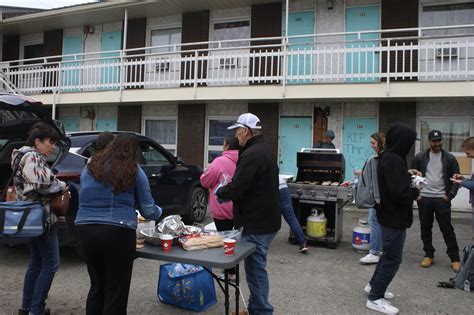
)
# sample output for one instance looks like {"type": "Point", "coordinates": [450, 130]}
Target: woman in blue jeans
{"type": "Point", "coordinates": [34, 181]}
{"type": "Point", "coordinates": [377, 142]}
{"type": "Point", "coordinates": [289, 215]}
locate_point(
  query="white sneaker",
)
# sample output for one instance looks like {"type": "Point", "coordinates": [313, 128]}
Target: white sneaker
{"type": "Point", "coordinates": [388, 295]}
{"type": "Point", "coordinates": [382, 306]}
{"type": "Point", "coordinates": [369, 259]}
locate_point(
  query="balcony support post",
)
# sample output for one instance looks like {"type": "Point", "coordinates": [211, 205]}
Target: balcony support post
{"type": "Point", "coordinates": [196, 54]}
{"type": "Point", "coordinates": [387, 92]}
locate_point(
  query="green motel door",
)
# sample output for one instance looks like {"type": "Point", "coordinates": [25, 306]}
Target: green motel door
{"type": "Point", "coordinates": [360, 63]}
{"type": "Point", "coordinates": [300, 64]}
{"type": "Point", "coordinates": [110, 67]}
{"type": "Point", "coordinates": [356, 143]}
{"type": "Point", "coordinates": [295, 133]}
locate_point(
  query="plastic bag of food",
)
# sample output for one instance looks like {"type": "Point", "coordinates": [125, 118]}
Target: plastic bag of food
{"type": "Point", "coordinates": [234, 234]}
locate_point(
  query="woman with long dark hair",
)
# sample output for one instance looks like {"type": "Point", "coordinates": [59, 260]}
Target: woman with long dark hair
{"type": "Point", "coordinates": [113, 185]}
{"type": "Point", "coordinates": [377, 142]}
{"type": "Point", "coordinates": [35, 181]}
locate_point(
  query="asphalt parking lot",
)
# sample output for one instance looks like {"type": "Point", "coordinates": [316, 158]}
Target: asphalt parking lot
{"type": "Point", "coordinates": [324, 281]}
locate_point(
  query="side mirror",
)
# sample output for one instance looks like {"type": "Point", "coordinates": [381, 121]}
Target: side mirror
{"type": "Point", "coordinates": [178, 160]}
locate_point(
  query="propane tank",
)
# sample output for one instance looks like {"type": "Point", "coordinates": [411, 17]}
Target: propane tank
{"type": "Point", "coordinates": [361, 236]}
{"type": "Point", "coordinates": [316, 224]}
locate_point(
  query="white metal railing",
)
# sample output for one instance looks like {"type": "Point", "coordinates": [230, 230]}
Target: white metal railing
{"type": "Point", "coordinates": [354, 57]}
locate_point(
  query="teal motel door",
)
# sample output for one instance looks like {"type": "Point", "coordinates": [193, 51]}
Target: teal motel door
{"type": "Point", "coordinates": [362, 64]}
{"type": "Point", "coordinates": [356, 143]}
{"type": "Point", "coordinates": [110, 67]}
{"type": "Point", "coordinates": [71, 75]}
{"type": "Point", "coordinates": [106, 124]}
{"type": "Point", "coordinates": [70, 124]}
{"type": "Point", "coordinates": [301, 64]}
{"type": "Point", "coordinates": [295, 133]}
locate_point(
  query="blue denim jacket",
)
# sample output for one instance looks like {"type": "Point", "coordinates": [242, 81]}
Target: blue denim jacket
{"type": "Point", "coordinates": [99, 205]}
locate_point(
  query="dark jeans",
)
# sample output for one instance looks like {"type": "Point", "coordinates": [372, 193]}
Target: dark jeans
{"type": "Point", "coordinates": [44, 262]}
{"type": "Point", "coordinates": [428, 208]}
{"type": "Point", "coordinates": [225, 225]}
{"type": "Point", "coordinates": [387, 267]}
{"type": "Point", "coordinates": [256, 274]}
{"type": "Point", "coordinates": [109, 252]}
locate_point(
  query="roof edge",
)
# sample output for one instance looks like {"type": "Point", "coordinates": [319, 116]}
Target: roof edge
{"type": "Point", "coordinates": [66, 10]}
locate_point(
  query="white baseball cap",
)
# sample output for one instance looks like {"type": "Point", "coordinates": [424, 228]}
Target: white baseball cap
{"type": "Point", "coordinates": [247, 120]}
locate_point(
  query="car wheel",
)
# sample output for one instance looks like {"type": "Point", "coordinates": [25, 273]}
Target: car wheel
{"type": "Point", "coordinates": [198, 205]}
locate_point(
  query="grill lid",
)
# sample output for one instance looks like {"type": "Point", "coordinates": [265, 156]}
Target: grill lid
{"type": "Point", "coordinates": [320, 165]}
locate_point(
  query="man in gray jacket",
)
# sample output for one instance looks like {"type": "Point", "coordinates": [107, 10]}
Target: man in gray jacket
{"type": "Point", "coordinates": [438, 166]}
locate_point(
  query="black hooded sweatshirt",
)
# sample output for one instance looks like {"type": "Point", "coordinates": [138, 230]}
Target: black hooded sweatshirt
{"type": "Point", "coordinates": [396, 194]}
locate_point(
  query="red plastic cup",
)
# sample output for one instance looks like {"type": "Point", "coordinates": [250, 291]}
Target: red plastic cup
{"type": "Point", "coordinates": [229, 246]}
{"type": "Point", "coordinates": [166, 242]}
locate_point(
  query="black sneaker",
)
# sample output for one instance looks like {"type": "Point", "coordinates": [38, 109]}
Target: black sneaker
{"type": "Point", "coordinates": [304, 247]}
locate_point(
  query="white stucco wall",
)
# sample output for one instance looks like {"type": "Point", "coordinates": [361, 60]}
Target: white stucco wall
{"type": "Point", "coordinates": [297, 109]}
{"type": "Point", "coordinates": [164, 22]}
{"type": "Point", "coordinates": [160, 110]}
{"type": "Point", "coordinates": [226, 109]}
{"type": "Point", "coordinates": [365, 109]}
{"type": "Point", "coordinates": [230, 13]}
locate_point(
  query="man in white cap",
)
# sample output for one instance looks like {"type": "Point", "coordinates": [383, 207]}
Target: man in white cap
{"type": "Point", "coordinates": [254, 191]}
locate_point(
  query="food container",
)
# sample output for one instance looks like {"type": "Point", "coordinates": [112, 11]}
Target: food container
{"type": "Point", "coordinates": [152, 235]}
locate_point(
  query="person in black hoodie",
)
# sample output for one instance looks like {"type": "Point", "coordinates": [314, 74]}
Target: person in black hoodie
{"type": "Point", "coordinates": [394, 213]}
{"type": "Point", "coordinates": [254, 191]}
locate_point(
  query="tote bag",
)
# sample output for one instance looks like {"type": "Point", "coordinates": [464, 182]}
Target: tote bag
{"type": "Point", "coordinates": [186, 286]}
{"type": "Point", "coordinates": [21, 221]}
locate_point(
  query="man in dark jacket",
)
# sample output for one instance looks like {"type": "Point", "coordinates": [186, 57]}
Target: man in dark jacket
{"type": "Point", "coordinates": [329, 136]}
{"type": "Point", "coordinates": [254, 191]}
{"type": "Point", "coordinates": [438, 166]}
{"type": "Point", "coordinates": [394, 213]}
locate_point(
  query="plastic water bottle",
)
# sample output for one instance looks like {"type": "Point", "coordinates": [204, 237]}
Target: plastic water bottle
{"type": "Point", "coordinates": [467, 286]}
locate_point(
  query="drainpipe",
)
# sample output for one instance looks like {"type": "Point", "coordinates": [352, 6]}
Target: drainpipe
{"type": "Point", "coordinates": [122, 53]}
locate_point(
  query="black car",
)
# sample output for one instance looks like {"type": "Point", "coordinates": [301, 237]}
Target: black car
{"type": "Point", "coordinates": [175, 186]}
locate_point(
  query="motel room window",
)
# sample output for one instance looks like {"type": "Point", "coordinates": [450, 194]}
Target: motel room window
{"type": "Point", "coordinates": [163, 131]}
{"type": "Point", "coordinates": [455, 131]}
{"type": "Point", "coordinates": [217, 131]}
{"type": "Point", "coordinates": [163, 37]}
{"type": "Point", "coordinates": [232, 30]}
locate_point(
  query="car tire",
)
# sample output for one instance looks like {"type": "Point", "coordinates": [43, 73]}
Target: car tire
{"type": "Point", "coordinates": [197, 206]}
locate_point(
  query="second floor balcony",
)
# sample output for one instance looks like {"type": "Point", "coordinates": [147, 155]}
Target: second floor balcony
{"type": "Point", "coordinates": [377, 58]}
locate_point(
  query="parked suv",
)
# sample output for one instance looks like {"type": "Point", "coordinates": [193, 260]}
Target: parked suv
{"type": "Point", "coordinates": [174, 185]}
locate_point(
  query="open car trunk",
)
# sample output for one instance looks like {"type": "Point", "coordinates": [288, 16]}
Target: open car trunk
{"type": "Point", "coordinates": [17, 115]}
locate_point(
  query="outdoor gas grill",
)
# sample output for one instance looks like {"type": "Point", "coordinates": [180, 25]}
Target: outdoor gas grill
{"type": "Point", "coordinates": [318, 186]}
